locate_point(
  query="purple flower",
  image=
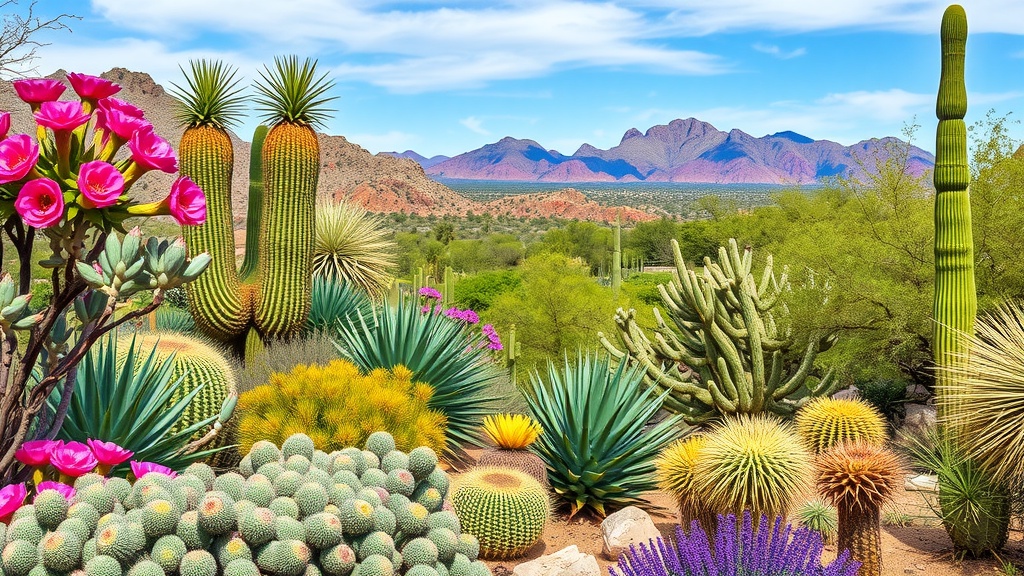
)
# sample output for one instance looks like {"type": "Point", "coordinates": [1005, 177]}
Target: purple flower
{"type": "Point", "coordinates": [429, 292]}
{"type": "Point", "coordinates": [775, 551]}
{"type": "Point", "coordinates": [140, 469]}
{"type": "Point", "coordinates": [494, 341]}
{"type": "Point", "coordinates": [66, 491]}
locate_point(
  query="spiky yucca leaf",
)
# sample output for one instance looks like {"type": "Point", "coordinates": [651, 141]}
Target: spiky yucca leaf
{"type": "Point", "coordinates": [859, 476]}
{"type": "Point", "coordinates": [511, 431]}
{"type": "Point", "coordinates": [989, 386]}
{"type": "Point", "coordinates": [292, 93]}
{"type": "Point", "coordinates": [351, 245]}
{"type": "Point", "coordinates": [211, 98]}
{"type": "Point", "coordinates": [825, 422]}
{"type": "Point", "coordinates": [332, 302]}
{"type": "Point", "coordinates": [597, 444]}
{"type": "Point", "coordinates": [440, 351]}
{"type": "Point", "coordinates": [752, 462]}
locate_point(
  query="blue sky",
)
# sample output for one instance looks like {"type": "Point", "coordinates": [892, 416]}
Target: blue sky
{"type": "Point", "coordinates": [448, 77]}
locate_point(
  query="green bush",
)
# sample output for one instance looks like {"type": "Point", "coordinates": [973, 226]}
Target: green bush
{"type": "Point", "coordinates": [478, 291]}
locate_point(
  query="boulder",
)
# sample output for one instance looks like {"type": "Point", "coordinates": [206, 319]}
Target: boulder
{"type": "Point", "coordinates": [922, 483]}
{"type": "Point", "coordinates": [920, 416]}
{"type": "Point", "coordinates": [630, 525]}
{"type": "Point", "coordinates": [568, 561]}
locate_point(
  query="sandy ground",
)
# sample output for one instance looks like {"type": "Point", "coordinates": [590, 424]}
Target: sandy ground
{"type": "Point", "coordinates": [913, 541]}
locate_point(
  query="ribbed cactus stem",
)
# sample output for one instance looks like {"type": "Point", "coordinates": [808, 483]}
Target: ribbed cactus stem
{"type": "Point", "coordinates": [860, 533]}
{"type": "Point", "coordinates": [255, 215]}
{"type": "Point", "coordinates": [207, 157]}
{"type": "Point", "coordinates": [955, 304]}
{"type": "Point", "coordinates": [617, 259]}
{"type": "Point", "coordinates": [291, 166]}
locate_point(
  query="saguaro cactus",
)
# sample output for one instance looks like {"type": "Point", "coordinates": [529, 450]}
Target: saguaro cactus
{"type": "Point", "coordinates": [271, 294]}
{"type": "Point", "coordinates": [725, 351]}
{"type": "Point", "coordinates": [617, 258]}
{"type": "Point", "coordinates": [955, 304]}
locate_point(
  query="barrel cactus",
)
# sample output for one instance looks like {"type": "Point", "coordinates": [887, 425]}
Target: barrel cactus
{"type": "Point", "coordinates": [270, 295]}
{"type": "Point", "coordinates": [512, 434]}
{"type": "Point", "coordinates": [725, 348]}
{"type": "Point", "coordinates": [676, 472]}
{"type": "Point", "coordinates": [504, 508]}
{"type": "Point", "coordinates": [826, 422]}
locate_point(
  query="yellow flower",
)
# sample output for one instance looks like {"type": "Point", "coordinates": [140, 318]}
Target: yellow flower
{"type": "Point", "coordinates": [511, 431]}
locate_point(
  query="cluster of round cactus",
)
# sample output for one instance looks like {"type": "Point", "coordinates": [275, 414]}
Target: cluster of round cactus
{"type": "Point", "coordinates": [291, 511]}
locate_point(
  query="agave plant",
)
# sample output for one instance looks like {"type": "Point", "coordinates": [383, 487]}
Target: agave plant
{"type": "Point", "coordinates": [439, 350]}
{"type": "Point", "coordinates": [128, 400]}
{"type": "Point", "coordinates": [333, 301]}
{"type": "Point", "coordinates": [173, 320]}
{"type": "Point", "coordinates": [352, 246]}
{"type": "Point", "coordinates": [781, 551]}
{"type": "Point", "coordinates": [597, 444]}
{"type": "Point", "coordinates": [973, 506]}
{"type": "Point", "coordinates": [819, 516]}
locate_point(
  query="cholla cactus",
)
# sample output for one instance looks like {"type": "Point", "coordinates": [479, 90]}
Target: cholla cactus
{"type": "Point", "coordinates": [725, 348]}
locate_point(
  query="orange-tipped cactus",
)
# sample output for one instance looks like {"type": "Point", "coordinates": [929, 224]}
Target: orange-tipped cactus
{"type": "Point", "coordinates": [858, 478]}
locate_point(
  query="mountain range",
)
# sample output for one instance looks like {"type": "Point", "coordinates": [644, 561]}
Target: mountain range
{"type": "Point", "coordinates": [687, 150]}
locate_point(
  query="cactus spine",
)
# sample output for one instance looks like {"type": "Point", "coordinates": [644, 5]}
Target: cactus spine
{"type": "Point", "coordinates": [271, 292]}
{"type": "Point", "coordinates": [955, 303]}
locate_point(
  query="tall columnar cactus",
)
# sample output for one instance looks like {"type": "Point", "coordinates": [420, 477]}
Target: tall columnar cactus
{"type": "Point", "coordinates": [727, 348]}
{"type": "Point", "coordinates": [617, 258]}
{"type": "Point", "coordinates": [271, 294]}
{"type": "Point", "coordinates": [955, 298]}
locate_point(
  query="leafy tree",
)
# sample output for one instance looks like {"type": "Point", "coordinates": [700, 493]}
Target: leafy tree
{"type": "Point", "coordinates": [577, 239]}
{"type": "Point", "coordinates": [479, 291]}
{"type": "Point", "coordinates": [652, 241]}
{"type": "Point", "coordinates": [557, 308]}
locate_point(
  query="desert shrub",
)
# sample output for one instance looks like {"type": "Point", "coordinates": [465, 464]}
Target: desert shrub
{"type": "Point", "coordinates": [477, 292]}
{"type": "Point", "coordinates": [352, 245]}
{"type": "Point", "coordinates": [337, 406]}
{"type": "Point", "coordinates": [888, 396]}
{"type": "Point", "coordinates": [283, 355]}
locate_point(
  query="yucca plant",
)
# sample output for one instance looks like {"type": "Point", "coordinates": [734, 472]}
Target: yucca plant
{"type": "Point", "coordinates": [754, 463]}
{"type": "Point", "coordinates": [512, 435]}
{"type": "Point", "coordinates": [439, 350]}
{"type": "Point", "coordinates": [128, 399]}
{"type": "Point", "coordinates": [974, 508]}
{"type": "Point", "coordinates": [858, 478]}
{"type": "Point", "coordinates": [676, 475]}
{"type": "Point", "coordinates": [989, 384]}
{"type": "Point", "coordinates": [751, 550]}
{"type": "Point", "coordinates": [333, 301]}
{"type": "Point", "coordinates": [819, 516]}
{"type": "Point", "coordinates": [599, 444]}
{"type": "Point", "coordinates": [353, 246]}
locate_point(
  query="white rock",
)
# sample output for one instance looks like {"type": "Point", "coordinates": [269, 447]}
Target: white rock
{"type": "Point", "coordinates": [630, 525]}
{"type": "Point", "coordinates": [568, 561]}
{"type": "Point", "coordinates": [922, 483]}
{"type": "Point", "coordinates": [920, 416]}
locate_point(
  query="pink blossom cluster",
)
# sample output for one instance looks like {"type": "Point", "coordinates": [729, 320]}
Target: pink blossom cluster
{"type": "Point", "coordinates": [468, 316]}
{"type": "Point", "coordinates": [430, 293]}
{"type": "Point", "coordinates": [44, 190]}
{"type": "Point", "coordinates": [494, 341]}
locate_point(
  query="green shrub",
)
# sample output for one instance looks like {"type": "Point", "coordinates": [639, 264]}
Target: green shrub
{"type": "Point", "coordinates": [887, 396]}
{"type": "Point", "coordinates": [478, 291]}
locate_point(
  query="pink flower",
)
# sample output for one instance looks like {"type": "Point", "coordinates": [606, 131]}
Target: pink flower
{"type": "Point", "coordinates": [40, 203]}
{"type": "Point", "coordinates": [187, 202]}
{"type": "Point", "coordinates": [39, 90]}
{"type": "Point", "coordinates": [119, 105]}
{"type": "Point", "coordinates": [74, 459]}
{"type": "Point", "coordinates": [5, 124]}
{"type": "Point", "coordinates": [140, 469]}
{"type": "Point", "coordinates": [109, 453]}
{"type": "Point", "coordinates": [152, 152]}
{"type": "Point", "coordinates": [121, 123]}
{"type": "Point", "coordinates": [18, 155]}
{"type": "Point", "coordinates": [430, 293]}
{"type": "Point", "coordinates": [66, 491]}
{"type": "Point", "coordinates": [61, 116]}
{"type": "Point", "coordinates": [101, 184]}
{"type": "Point", "coordinates": [36, 453]}
{"type": "Point", "coordinates": [92, 87]}
{"type": "Point", "coordinates": [11, 498]}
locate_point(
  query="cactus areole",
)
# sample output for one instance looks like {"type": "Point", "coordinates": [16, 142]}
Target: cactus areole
{"type": "Point", "coordinates": [955, 298]}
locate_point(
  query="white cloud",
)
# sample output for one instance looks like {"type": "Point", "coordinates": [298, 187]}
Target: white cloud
{"type": "Point", "coordinates": [774, 50]}
{"type": "Point", "coordinates": [431, 47]}
{"type": "Point", "coordinates": [474, 124]}
{"type": "Point", "coordinates": [700, 17]}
